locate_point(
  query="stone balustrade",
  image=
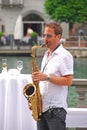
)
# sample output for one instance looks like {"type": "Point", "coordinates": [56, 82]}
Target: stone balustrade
{"type": "Point", "coordinates": [81, 89]}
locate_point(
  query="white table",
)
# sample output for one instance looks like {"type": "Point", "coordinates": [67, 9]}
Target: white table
{"type": "Point", "coordinates": [14, 111]}
{"type": "Point", "coordinates": [76, 118]}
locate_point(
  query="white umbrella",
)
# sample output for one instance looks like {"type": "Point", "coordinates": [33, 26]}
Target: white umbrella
{"type": "Point", "coordinates": [18, 30]}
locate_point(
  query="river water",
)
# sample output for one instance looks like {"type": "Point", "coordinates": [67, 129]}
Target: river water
{"type": "Point", "coordinates": [80, 71]}
{"type": "Point", "coordinates": [80, 65]}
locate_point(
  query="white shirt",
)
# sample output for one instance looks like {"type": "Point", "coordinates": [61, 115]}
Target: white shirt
{"type": "Point", "coordinates": [59, 64]}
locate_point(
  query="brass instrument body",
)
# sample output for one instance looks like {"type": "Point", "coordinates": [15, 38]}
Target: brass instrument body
{"type": "Point", "coordinates": [32, 91]}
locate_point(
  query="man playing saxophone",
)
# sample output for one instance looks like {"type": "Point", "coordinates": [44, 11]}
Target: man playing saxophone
{"type": "Point", "coordinates": [54, 78]}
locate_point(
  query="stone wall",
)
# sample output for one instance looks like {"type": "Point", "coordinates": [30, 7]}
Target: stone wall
{"type": "Point", "coordinates": [78, 51]}
{"type": "Point", "coordinates": [75, 51]}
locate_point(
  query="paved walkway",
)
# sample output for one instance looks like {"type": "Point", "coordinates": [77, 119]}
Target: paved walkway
{"type": "Point", "coordinates": [75, 51]}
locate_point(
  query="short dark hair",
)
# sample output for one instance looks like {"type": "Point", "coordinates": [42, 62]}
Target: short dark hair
{"type": "Point", "coordinates": [56, 26]}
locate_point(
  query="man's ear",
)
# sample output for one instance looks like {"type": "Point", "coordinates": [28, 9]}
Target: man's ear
{"type": "Point", "coordinates": [58, 36]}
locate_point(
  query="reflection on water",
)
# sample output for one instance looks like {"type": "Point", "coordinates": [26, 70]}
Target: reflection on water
{"type": "Point", "coordinates": [80, 65]}
{"type": "Point", "coordinates": [80, 68]}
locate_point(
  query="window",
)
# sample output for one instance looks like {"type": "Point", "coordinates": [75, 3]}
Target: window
{"type": "Point", "coordinates": [12, 2]}
{"type": "Point", "coordinates": [5, 2]}
{"type": "Point", "coordinates": [17, 2]}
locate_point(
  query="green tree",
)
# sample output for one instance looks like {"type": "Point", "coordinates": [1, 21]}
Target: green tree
{"type": "Point", "coordinates": [67, 10]}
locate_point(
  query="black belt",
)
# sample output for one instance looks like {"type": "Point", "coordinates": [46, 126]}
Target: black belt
{"type": "Point", "coordinates": [50, 112]}
{"type": "Point", "coordinates": [56, 109]}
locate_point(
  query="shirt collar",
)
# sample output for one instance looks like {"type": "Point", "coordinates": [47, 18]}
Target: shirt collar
{"type": "Point", "coordinates": [57, 51]}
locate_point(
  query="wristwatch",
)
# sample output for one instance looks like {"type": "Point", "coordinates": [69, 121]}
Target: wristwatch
{"type": "Point", "coordinates": [48, 78]}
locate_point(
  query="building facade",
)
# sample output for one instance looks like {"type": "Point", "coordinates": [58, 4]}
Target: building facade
{"type": "Point", "coordinates": [16, 16]}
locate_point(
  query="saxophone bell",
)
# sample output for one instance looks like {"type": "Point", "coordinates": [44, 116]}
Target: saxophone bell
{"type": "Point", "coordinates": [29, 90]}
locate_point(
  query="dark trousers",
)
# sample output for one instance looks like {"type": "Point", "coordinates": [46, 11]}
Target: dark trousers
{"type": "Point", "coordinates": [53, 119]}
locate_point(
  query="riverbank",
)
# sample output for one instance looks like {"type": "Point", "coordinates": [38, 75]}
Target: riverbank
{"type": "Point", "coordinates": [75, 51]}
{"type": "Point", "coordinates": [78, 52]}
{"type": "Point", "coordinates": [22, 52]}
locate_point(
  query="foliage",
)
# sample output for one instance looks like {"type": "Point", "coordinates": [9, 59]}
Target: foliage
{"type": "Point", "coordinates": [33, 39]}
{"type": "Point", "coordinates": [67, 10]}
{"type": "Point", "coordinates": [1, 34]}
{"type": "Point", "coordinates": [33, 34]}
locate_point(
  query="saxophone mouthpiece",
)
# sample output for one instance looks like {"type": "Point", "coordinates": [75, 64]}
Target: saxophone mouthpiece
{"type": "Point", "coordinates": [43, 45]}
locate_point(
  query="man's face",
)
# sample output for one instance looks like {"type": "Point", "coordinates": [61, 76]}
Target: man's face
{"type": "Point", "coordinates": [50, 38]}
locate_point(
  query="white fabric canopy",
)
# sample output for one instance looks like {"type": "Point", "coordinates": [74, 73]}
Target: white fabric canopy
{"type": "Point", "coordinates": [18, 30]}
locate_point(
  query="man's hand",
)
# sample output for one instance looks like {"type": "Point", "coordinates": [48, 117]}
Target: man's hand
{"type": "Point", "coordinates": [38, 76]}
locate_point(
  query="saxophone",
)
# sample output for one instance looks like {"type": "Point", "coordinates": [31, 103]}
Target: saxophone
{"type": "Point", "coordinates": [32, 91]}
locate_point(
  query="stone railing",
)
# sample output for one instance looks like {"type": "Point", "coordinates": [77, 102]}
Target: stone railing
{"type": "Point", "coordinates": [81, 89]}
{"type": "Point", "coordinates": [76, 41]}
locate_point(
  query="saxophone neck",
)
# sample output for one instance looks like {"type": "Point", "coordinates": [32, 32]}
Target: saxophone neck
{"type": "Point", "coordinates": [34, 48]}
